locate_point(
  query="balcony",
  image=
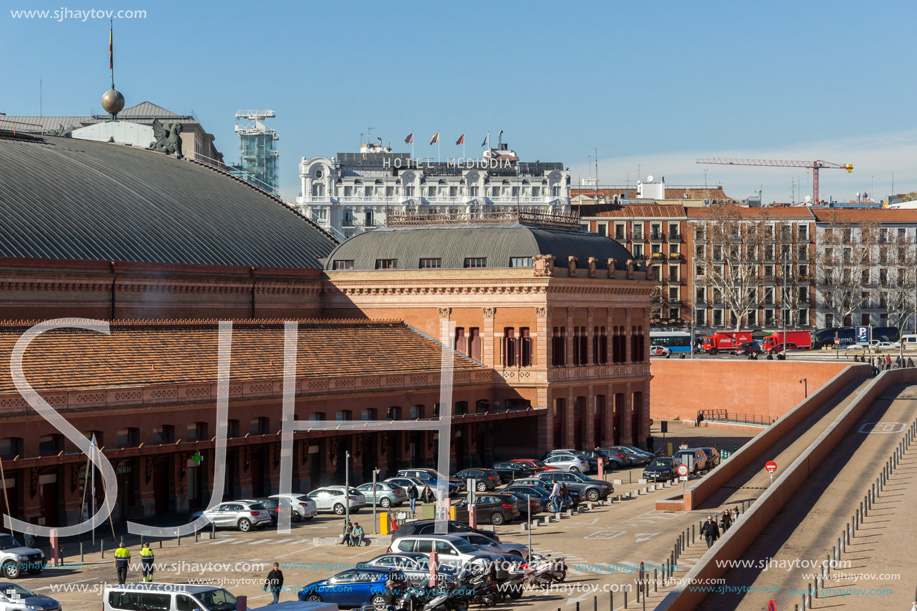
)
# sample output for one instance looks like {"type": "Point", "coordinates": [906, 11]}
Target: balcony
{"type": "Point", "coordinates": [658, 256]}
{"type": "Point", "coordinates": [674, 237]}
{"type": "Point", "coordinates": [657, 236]}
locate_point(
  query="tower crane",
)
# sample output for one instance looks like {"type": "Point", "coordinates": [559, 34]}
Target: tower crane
{"type": "Point", "coordinates": [815, 166]}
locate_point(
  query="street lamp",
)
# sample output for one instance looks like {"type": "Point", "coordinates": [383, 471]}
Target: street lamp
{"type": "Point", "coordinates": [806, 382]}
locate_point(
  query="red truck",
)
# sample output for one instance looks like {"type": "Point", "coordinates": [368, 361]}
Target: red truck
{"type": "Point", "coordinates": [726, 340]}
{"type": "Point", "coordinates": [802, 339]}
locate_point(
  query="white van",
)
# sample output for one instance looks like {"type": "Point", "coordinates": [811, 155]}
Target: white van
{"type": "Point", "coordinates": [167, 597]}
{"type": "Point", "coordinates": [909, 341]}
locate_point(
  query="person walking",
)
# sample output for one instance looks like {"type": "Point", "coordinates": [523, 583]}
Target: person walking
{"type": "Point", "coordinates": [122, 560]}
{"type": "Point", "coordinates": [427, 495]}
{"type": "Point", "coordinates": [735, 515]}
{"type": "Point", "coordinates": [700, 418]}
{"type": "Point", "coordinates": [565, 497]}
{"type": "Point", "coordinates": [412, 497]}
{"type": "Point", "coordinates": [346, 536]}
{"type": "Point", "coordinates": [650, 443]}
{"type": "Point", "coordinates": [710, 531]}
{"type": "Point", "coordinates": [357, 535]}
{"type": "Point", "coordinates": [910, 362]}
{"type": "Point", "coordinates": [554, 498]}
{"type": "Point", "coordinates": [274, 583]}
{"type": "Point", "coordinates": [888, 361]}
{"type": "Point", "coordinates": [725, 521]}
{"type": "Point", "coordinates": [146, 561]}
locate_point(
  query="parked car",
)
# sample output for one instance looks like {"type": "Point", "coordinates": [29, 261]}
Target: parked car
{"type": "Point", "coordinates": [713, 457]}
{"type": "Point", "coordinates": [661, 469]}
{"type": "Point", "coordinates": [489, 545]}
{"type": "Point", "coordinates": [888, 346]}
{"type": "Point", "coordinates": [405, 482]}
{"type": "Point", "coordinates": [694, 458]}
{"type": "Point", "coordinates": [510, 470]}
{"type": "Point", "coordinates": [414, 565]}
{"type": "Point", "coordinates": [428, 527]}
{"type": "Point", "coordinates": [660, 351]}
{"type": "Point", "coordinates": [641, 452]}
{"type": "Point", "coordinates": [566, 462]}
{"type": "Point", "coordinates": [354, 588]}
{"type": "Point", "coordinates": [493, 508]}
{"type": "Point", "coordinates": [749, 348]}
{"type": "Point", "coordinates": [450, 549]}
{"type": "Point", "coordinates": [385, 494]}
{"type": "Point", "coordinates": [485, 479]}
{"type": "Point", "coordinates": [535, 464]}
{"type": "Point", "coordinates": [535, 492]}
{"type": "Point", "coordinates": [16, 558]}
{"type": "Point", "coordinates": [527, 504]}
{"type": "Point", "coordinates": [304, 508]}
{"type": "Point", "coordinates": [591, 489]}
{"type": "Point", "coordinates": [333, 498]}
{"type": "Point", "coordinates": [14, 597]}
{"type": "Point", "coordinates": [237, 514]}
{"type": "Point", "coordinates": [609, 462]}
{"type": "Point", "coordinates": [637, 456]}
{"type": "Point", "coordinates": [273, 508]}
{"type": "Point", "coordinates": [621, 453]}
{"type": "Point", "coordinates": [545, 486]}
{"type": "Point", "coordinates": [592, 463]}
{"type": "Point", "coordinates": [148, 596]}
{"type": "Point", "coordinates": [430, 476]}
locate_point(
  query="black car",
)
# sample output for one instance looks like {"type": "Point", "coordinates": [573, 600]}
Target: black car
{"type": "Point", "coordinates": [494, 508]}
{"type": "Point", "coordinates": [510, 471]}
{"type": "Point", "coordinates": [486, 479]}
{"type": "Point", "coordinates": [428, 527]}
{"type": "Point", "coordinates": [272, 506]}
{"type": "Point", "coordinates": [661, 469]}
{"type": "Point", "coordinates": [414, 565]}
{"type": "Point", "coordinates": [751, 348]}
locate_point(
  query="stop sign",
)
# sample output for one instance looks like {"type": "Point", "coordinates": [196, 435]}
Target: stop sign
{"type": "Point", "coordinates": [771, 466]}
{"type": "Point", "coordinates": [682, 470]}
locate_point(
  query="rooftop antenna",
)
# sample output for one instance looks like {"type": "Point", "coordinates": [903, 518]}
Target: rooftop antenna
{"type": "Point", "coordinates": [40, 96]}
{"type": "Point", "coordinates": [595, 157]}
{"type": "Point", "coordinates": [369, 134]}
{"type": "Point", "coordinates": [111, 51]}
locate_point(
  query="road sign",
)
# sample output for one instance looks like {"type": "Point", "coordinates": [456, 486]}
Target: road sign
{"type": "Point", "coordinates": [837, 341]}
{"type": "Point", "coordinates": [771, 466]}
{"type": "Point", "coordinates": [682, 470]}
{"type": "Point", "coordinates": [863, 335]}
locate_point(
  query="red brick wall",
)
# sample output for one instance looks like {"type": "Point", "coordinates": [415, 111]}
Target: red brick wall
{"type": "Point", "coordinates": [681, 387]}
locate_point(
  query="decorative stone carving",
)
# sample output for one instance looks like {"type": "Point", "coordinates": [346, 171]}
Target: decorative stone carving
{"type": "Point", "coordinates": [489, 312]}
{"type": "Point", "coordinates": [542, 311]}
{"type": "Point", "coordinates": [593, 265]}
{"type": "Point", "coordinates": [444, 313]}
{"type": "Point", "coordinates": [543, 265]}
{"type": "Point", "coordinates": [649, 271]}
{"type": "Point", "coordinates": [631, 264]}
{"type": "Point", "coordinates": [571, 266]}
{"type": "Point", "coordinates": [168, 138]}
{"type": "Point", "coordinates": [612, 267]}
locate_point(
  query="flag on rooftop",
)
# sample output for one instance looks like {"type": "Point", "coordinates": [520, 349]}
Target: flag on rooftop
{"type": "Point", "coordinates": [409, 139]}
{"type": "Point", "coordinates": [435, 138]}
{"type": "Point", "coordinates": [461, 139]}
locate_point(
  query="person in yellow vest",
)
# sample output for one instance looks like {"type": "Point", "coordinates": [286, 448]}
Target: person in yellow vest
{"type": "Point", "coordinates": [146, 560]}
{"type": "Point", "coordinates": [122, 559]}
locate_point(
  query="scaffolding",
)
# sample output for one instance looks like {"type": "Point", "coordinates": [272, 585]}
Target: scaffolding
{"type": "Point", "coordinates": [258, 158]}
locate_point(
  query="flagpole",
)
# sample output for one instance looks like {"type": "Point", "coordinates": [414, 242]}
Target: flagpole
{"type": "Point", "coordinates": [111, 50]}
{"type": "Point", "coordinates": [437, 150]}
{"type": "Point", "coordinates": [463, 146]}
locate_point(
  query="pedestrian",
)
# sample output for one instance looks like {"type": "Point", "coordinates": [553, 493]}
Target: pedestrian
{"type": "Point", "coordinates": [910, 362]}
{"type": "Point", "coordinates": [427, 495]}
{"type": "Point", "coordinates": [888, 361]}
{"type": "Point", "coordinates": [555, 496]}
{"type": "Point", "coordinates": [565, 496]}
{"type": "Point", "coordinates": [122, 559]}
{"type": "Point", "coordinates": [700, 418]}
{"type": "Point", "coordinates": [725, 521]}
{"type": "Point", "coordinates": [412, 496]}
{"type": "Point", "coordinates": [650, 444]}
{"type": "Point", "coordinates": [735, 515]}
{"type": "Point", "coordinates": [274, 583]}
{"type": "Point", "coordinates": [710, 532]}
{"type": "Point", "coordinates": [146, 561]}
{"type": "Point", "coordinates": [347, 534]}
{"type": "Point", "coordinates": [357, 535]}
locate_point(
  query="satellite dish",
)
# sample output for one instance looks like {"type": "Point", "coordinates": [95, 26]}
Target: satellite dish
{"type": "Point", "coordinates": [649, 179]}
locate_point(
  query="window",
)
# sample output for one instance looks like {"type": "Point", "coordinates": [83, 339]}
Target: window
{"type": "Point", "coordinates": [416, 412]}
{"type": "Point", "coordinates": [368, 414]}
{"type": "Point", "coordinates": [599, 346]}
{"type": "Point", "coordinates": [460, 341]}
{"type": "Point", "coordinates": [638, 231]}
{"type": "Point", "coordinates": [348, 191]}
{"type": "Point", "coordinates": [128, 437]}
{"type": "Point", "coordinates": [453, 191]}
{"type": "Point", "coordinates": [536, 191]}
{"type": "Point", "coordinates": [343, 265]}
{"type": "Point", "coordinates": [700, 317]}
{"type": "Point", "coordinates": [367, 191]}
{"type": "Point", "coordinates": [164, 434]}
{"type": "Point", "coordinates": [409, 191]}
{"type": "Point", "coordinates": [509, 347]}
{"type": "Point", "coordinates": [431, 191]}
{"type": "Point", "coordinates": [10, 447]}
{"type": "Point", "coordinates": [386, 263]}
{"type": "Point", "coordinates": [195, 431]}
{"type": "Point", "coordinates": [520, 262]}
{"type": "Point", "coordinates": [320, 214]}
{"type": "Point", "coordinates": [50, 445]}
{"type": "Point", "coordinates": [431, 263]}
{"type": "Point", "coordinates": [260, 426]}
{"type": "Point", "coordinates": [474, 262]}
{"type": "Point", "coordinates": [389, 191]}
{"type": "Point", "coordinates": [368, 219]}
{"type": "Point", "coordinates": [619, 231]}
{"type": "Point", "coordinates": [559, 347]}
{"type": "Point", "coordinates": [348, 218]}
{"type": "Point", "coordinates": [525, 347]}
{"type": "Point", "coordinates": [473, 191]}
{"type": "Point", "coordinates": [803, 233]}
{"type": "Point", "coordinates": [638, 251]}
{"type": "Point", "coordinates": [474, 342]}
{"type": "Point", "coordinates": [232, 428]}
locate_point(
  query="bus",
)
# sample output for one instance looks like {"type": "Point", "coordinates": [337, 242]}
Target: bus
{"type": "Point", "coordinates": [676, 341]}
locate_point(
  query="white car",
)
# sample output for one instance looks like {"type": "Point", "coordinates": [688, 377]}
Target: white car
{"type": "Point", "coordinates": [452, 550]}
{"type": "Point", "coordinates": [567, 462]}
{"type": "Point", "coordinates": [888, 345]}
{"type": "Point", "coordinates": [237, 514]}
{"type": "Point", "coordinates": [304, 508]}
{"type": "Point", "coordinates": [489, 545]}
{"type": "Point", "coordinates": [660, 351]}
{"type": "Point", "coordinates": [332, 498]}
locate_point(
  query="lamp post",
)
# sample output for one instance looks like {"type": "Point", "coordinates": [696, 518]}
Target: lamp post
{"type": "Point", "coordinates": [347, 487]}
{"type": "Point", "coordinates": [376, 472]}
{"type": "Point", "coordinates": [805, 381]}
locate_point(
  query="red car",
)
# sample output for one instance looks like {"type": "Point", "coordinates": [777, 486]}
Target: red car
{"type": "Point", "coordinates": [535, 464]}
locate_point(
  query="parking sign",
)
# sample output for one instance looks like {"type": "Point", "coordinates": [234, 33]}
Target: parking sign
{"type": "Point", "coordinates": [862, 334]}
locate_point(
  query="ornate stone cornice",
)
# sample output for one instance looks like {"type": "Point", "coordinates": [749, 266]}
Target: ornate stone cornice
{"type": "Point", "coordinates": [542, 311]}
{"type": "Point", "coordinates": [520, 289]}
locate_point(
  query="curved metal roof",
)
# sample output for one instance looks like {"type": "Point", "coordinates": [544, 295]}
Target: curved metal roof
{"type": "Point", "coordinates": [93, 201]}
{"type": "Point", "coordinates": [497, 243]}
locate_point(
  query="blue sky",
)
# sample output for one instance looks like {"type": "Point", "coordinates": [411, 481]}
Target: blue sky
{"type": "Point", "coordinates": [653, 86]}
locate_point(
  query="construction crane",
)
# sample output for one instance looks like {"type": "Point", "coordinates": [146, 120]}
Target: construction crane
{"type": "Point", "coordinates": [815, 166]}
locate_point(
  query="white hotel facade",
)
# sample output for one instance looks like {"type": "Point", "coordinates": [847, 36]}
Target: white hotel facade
{"type": "Point", "coordinates": [351, 192]}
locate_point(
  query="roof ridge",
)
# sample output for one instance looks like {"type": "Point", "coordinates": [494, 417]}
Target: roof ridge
{"type": "Point", "coordinates": [209, 322]}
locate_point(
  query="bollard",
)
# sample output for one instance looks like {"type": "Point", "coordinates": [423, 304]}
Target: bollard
{"type": "Point", "coordinates": [692, 534]}
{"type": "Point", "coordinates": [810, 595]}
{"type": "Point", "coordinates": [595, 603]}
{"type": "Point", "coordinates": [577, 605]}
{"type": "Point", "coordinates": [611, 601]}
{"type": "Point", "coordinates": [160, 544]}
{"type": "Point", "coordinates": [803, 602]}
{"type": "Point", "coordinates": [625, 599]}
{"type": "Point", "coordinates": [102, 547]}
{"type": "Point", "coordinates": [178, 536]}
{"type": "Point", "coordinates": [81, 553]}
{"type": "Point", "coordinates": [213, 531]}
{"type": "Point", "coordinates": [196, 539]}
{"type": "Point", "coordinates": [655, 580]}
{"type": "Point", "coordinates": [828, 567]}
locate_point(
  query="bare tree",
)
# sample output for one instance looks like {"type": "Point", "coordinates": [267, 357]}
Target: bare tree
{"type": "Point", "coordinates": [843, 266]}
{"type": "Point", "coordinates": [898, 301]}
{"type": "Point", "coordinates": [739, 240]}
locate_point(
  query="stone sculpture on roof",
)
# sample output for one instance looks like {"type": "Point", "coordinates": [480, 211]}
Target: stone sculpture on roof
{"type": "Point", "coordinates": [168, 138]}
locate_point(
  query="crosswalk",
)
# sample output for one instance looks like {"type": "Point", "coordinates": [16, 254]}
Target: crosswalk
{"type": "Point", "coordinates": [257, 541]}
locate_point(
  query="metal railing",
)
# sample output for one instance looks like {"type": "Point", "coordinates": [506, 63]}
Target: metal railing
{"type": "Point", "coordinates": [523, 216]}
{"type": "Point", "coordinates": [724, 415]}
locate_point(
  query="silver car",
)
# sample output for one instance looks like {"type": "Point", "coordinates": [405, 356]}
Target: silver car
{"type": "Point", "coordinates": [304, 508]}
{"type": "Point", "coordinates": [385, 494]}
{"type": "Point", "coordinates": [567, 462]}
{"type": "Point", "coordinates": [489, 545]}
{"type": "Point", "coordinates": [13, 597]}
{"type": "Point", "coordinates": [332, 498]}
{"type": "Point", "coordinates": [238, 514]}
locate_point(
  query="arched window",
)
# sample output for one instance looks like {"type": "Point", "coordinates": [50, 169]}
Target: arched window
{"type": "Point", "coordinates": [394, 413]}
{"type": "Point", "coordinates": [10, 447]}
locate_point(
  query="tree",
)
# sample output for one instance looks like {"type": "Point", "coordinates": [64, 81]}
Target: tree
{"type": "Point", "coordinates": [738, 242]}
{"type": "Point", "coordinates": [843, 266]}
{"type": "Point", "coordinates": [898, 301]}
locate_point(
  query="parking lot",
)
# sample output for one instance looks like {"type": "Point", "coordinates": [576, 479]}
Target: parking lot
{"type": "Point", "coordinates": [603, 547]}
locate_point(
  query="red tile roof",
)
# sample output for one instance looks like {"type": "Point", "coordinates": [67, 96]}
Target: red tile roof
{"type": "Point", "coordinates": [645, 210]}
{"type": "Point", "coordinates": [161, 352]}
{"type": "Point", "coordinates": [752, 213]}
{"type": "Point", "coordinates": [859, 215]}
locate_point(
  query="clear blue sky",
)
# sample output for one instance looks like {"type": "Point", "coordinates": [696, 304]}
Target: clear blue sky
{"type": "Point", "coordinates": [655, 85]}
